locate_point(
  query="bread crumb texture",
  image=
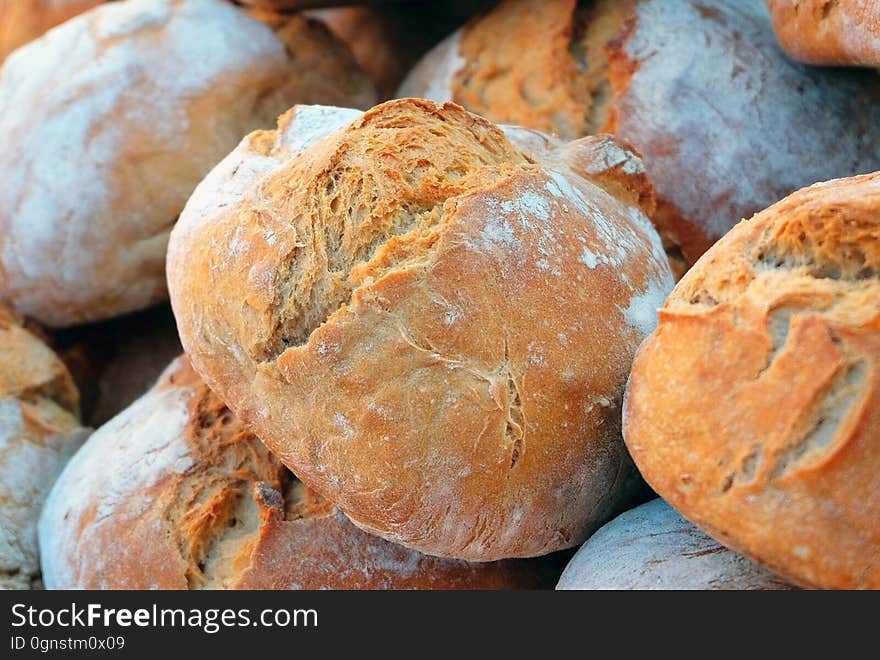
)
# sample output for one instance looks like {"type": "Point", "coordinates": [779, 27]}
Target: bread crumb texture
{"type": "Point", "coordinates": [202, 504]}
{"type": "Point", "coordinates": [431, 327]}
{"type": "Point", "coordinates": [829, 32]}
{"type": "Point", "coordinates": [755, 406]}
{"type": "Point", "coordinates": [653, 547]}
{"type": "Point", "coordinates": [108, 123]}
{"type": "Point", "coordinates": [39, 430]}
{"type": "Point", "coordinates": [725, 122]}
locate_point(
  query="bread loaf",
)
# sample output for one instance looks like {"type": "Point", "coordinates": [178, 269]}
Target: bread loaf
{"type": "Point", "coordinates": [428, 319]}
{"type": "Point", "coordinates": [754, 408]}
{"type": "Point", "coordinates": [725, 123]}
{"type": "Point", "coordinates": [829, 32]}
{"type": "Point", "coordinates": [653, 547]}
{"type": "Point", "coordinates": [176, 493]}
{"type": "Point", "coordinates": [24, 20]}
{"type": "Point", "coordinates": [109, 121]}
{"type": "Point", "coordinates": [39, 430]}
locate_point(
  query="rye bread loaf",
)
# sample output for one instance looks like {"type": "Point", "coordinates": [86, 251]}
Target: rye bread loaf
{"type": "Point", "coordinates": [428, 319]}
{"type": "Point", "coordinates": [725, 122]}
{"type": "Point", "coordinates": [177, 493]}
{"type": "Point", "coordinates": [109, 121]}
{"type": "Point", "coordinates": [838, 32]}
{"type": "Point", "coordinates": [39, 430]}
{"type": "Point", "coordinates": [754, 409]}
{"type": "Point", "coordinates": [653, 547]}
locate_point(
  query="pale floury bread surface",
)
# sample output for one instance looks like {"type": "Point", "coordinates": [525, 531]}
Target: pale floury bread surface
{"type": "Point", "coordinates": [754, 409]}
{"type": "Point", "coordinates": [176, 493]}
{"type": "Point", "coordinates": [839, 32]}
{"type": "Point", "coordinates": [109, 121]}
{"type": "Point", "coordinates": [24, 20]}
{"type": "Point", "coordinates": [39, 430]}
{"type": "Point", "coordinates": [653, 547]}
{"type": "Point", "coordinates": [725, 123]}
{"type": "Point", "coordinates": [428, 319]}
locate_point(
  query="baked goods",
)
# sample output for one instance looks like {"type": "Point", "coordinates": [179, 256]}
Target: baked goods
{"type": "Point", "coordinates": [725, 123]}
{"type": "Point", "coordinates": [824, 32]}
{"type": "Point", "coordinates": [39, 429]}
{"type": "Point", "coordinates": [109, 121]}
{"type": "Point", "coordinates": [24, 20]}
{"type": "Point", "coordinates": [429, 321]}
{"type": "Point", "coordinates": [754, 409]}
{"type": "Point", "coordinates": [176, 493]}
{"type": "Point", "coordinates": [653, 547]}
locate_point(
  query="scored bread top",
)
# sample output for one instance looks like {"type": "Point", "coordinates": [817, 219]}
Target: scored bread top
{"type": "Point", "coordinates": [429, 319]}
{"type": "Point", "coordinates": [177, 493]}
{"type": "Point", "coordinates": [39, 430]}
{"type": "Point", "coordinates": [754, 408]}
{"type": "Point", "coordinates": [111, 119]}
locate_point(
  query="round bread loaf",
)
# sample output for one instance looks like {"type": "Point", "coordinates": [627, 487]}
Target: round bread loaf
{"type": "Point", "coordinates": [24, 20]}
{"type": "Point", "coordinates": [176, 493]}
{"type": "Point", "coordinates": [39, 430]}
{"type": "Point", "coordinates": [725, 123]}
{"type": "Point", "coordinates": [653, 547]}
{"type": "Point", "coordinates": [754, 409]}
{"type": "Point", "coordinates": [428, 320]}
{"type": "Point", "coordinates": [829, 31]}
{"type": "Point", "coordinates": [109, 121]}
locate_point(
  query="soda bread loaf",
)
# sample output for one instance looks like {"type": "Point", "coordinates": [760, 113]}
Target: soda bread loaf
{"type": "Point", "coordinates": [39, 430]}
{"type": "Point", "coordinates": [24, 20]}
{"type": "Point", "coordinates": [429, 320]}
{"type": "Point", "coordinates": [109, 121]}
{"type": "Point", "coordinates": [829, 32]}
{"type": "Point", "coordinates": [725, 123]}
{"type": "Point", "coordinates": [754, 409]}
{"type": "Point", "coordinates": [176, 493]}
{"type": "Point", "coordinates": [653, 547]}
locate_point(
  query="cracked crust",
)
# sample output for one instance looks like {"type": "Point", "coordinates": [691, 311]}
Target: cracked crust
{"type": "Point", "coordinates": [754, 408]}
{"type": "Point", "coordinates": [111, 119]}
{"type": "Point", "coordinates": [723, 120]}
{"type": "Point", "coordinates": [829, 32]}
{"type": "Point", "coordinates": [429, 319]}
{"type": "Point", "coordinates": [39, 430]}
{"type": "Point", "coordinates": [653, 547]}
{"type": "Point", "coordinates": [177, 493]}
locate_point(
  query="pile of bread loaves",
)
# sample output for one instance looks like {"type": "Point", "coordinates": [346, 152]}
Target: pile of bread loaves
{"type": "Point", "coordinates": [444, 341]}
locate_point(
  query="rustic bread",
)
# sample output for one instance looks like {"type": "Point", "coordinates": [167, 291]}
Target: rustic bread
{"type": "Point", "coordinates": [726, 124]}
{"type": "Point", "coordinates": [754, 409]}
{"type": "Point", "coordinates": [39, 430]}
{"type": "Point", "coordinates": [653, 547]}
{"type": "Point", "coordinates": [428, 320]}
{"type": "Point", "coordinates": [176, 493]}
{"type": "Point", "coordinates": [24, 20]}
{"type": "Point", "coordinates": [829, 32]}
{"type": "Point", "coordinates": [109, 121]}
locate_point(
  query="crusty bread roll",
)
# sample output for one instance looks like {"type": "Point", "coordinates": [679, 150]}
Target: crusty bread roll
{"type": "Point", "coordinates": [726, 123]}
{"type": "Point", "coordinates": [24, 20]}
{"type": "Point", "coordinates": [109, 121]}
{"type": "Point", "coordinates": [840, 32]}
{"type": "Point", "coordinates": [176, 493]}
{"type": "Point", "coordinates": [754, 409]}
{"type": "Point", "coordinates": [430, 321]}
{"type": "Point", "coordinates": [653, 547]}
{"type": "Point", "coordinates": [39, 430]}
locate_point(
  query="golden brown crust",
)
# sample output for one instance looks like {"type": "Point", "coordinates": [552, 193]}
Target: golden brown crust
{"type": "Point", "coordinates": [754, 409]}
{"type": "Point", "coordinates": [829, 32]}
{"type": "Point", "coordinates": [211, 508]}
{"type": "Point", "coordinates": [423, 313]}
{"type": "Point", "coordinates": [23, 21]}
{"type": "Point", "coordinates": [39, 429]}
